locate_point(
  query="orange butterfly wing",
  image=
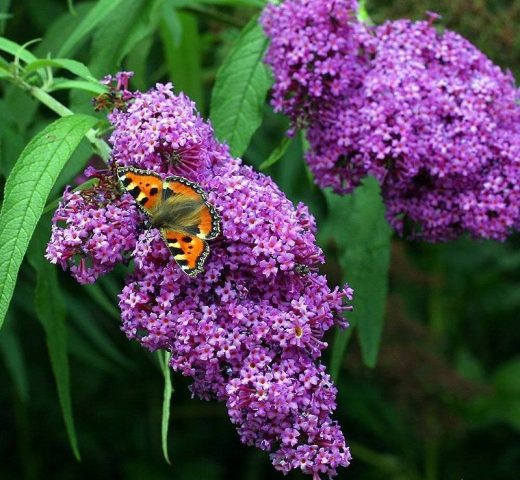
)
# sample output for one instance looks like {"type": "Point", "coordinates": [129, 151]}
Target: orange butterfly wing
{"type": "Point", "coordinates": [209, 221]}
{"type": "Point", "coordinates": [187, 244]}
{"type": "Point", "coordinates": [189, 251]}
{"type": "Point", "coordinates": [144, 185]}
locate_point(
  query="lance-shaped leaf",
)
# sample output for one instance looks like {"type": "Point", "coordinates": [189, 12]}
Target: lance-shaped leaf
{"type": "Point", "coordinates": [182, 51]}
{"type": "Point", "coordinates": [101, 10]}
{"type": "Point", "coordinates": [241, 87]}
{"type": "Point", "coordinates": [12, 353]}
{"type": "Point", "coordinates": [18, 51]}
{"type": "Point", "coordinates": [119, 33]}
{"type": "Point", "coordinates": [26, 192]}
{"type": "Point", "coordinates": [50, 310]}
{"type": "Point", "coordinates": [66, 84]}
{"type": "Point", "coordinates": [73, 66]}
{"type": "Point", "coordinates": [248, 3]}
{"type": "Point", "coordinates": [362, 236]}
{"type": "Point", "coordinates": [276, 154]}
{"type": "Point", "coordinates": [164, 362]}
{"type": "Point", "coordinates": [362, 14]}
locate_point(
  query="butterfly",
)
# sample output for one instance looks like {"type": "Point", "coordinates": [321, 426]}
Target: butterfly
{"type": "Point", "coordinates": [179, 209]}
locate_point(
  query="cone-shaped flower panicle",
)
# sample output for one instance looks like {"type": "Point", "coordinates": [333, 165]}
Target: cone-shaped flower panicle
{"type": "Point", "coordinates": [426, 113]}
{"type": "Point", "coordinates": [249, 328]}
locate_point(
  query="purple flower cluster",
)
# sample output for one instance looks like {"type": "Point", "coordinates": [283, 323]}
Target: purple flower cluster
{"type": "Point", "coordinates": [249, 329]}
{"type": "Point", "coordinates": [426, 113]}
{"type": "Point", "coordinates": [314, 54]}
{"type": "Point", "coordinates": [162, 132]}
{"type": "Point", "coordinates": [92, 231]}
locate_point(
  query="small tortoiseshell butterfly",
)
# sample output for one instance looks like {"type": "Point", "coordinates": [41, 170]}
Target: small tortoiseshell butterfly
{"type": "Point", "coordinates": [178, 208]}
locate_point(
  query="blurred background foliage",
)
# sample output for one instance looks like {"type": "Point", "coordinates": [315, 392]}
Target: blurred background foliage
{"type": "Point", "coordinates": [444, 398]}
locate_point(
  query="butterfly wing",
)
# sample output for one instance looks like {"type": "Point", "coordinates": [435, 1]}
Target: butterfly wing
{"type": "Point", "coordinates": [144, 185]}
{"type": "Point", "coordinates": [208, 221]}
{"type": "Point", "coordinates": [164, 199]}
{"type": "Point", "coordinates": [189, 251]}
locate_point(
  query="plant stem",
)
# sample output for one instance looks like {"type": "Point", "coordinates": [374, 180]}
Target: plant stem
{"type": "Point", "coordinates": [98, 144]}
{"type": "Point", "coordinates": [51, 206]}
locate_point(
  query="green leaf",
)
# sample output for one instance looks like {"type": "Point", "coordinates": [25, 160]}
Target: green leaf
{"type": "Point", "coordinates": [72, 9]}
{"type": "Point", "coordinates": [77, 68]}
{"type": "Point", "coordinates": [74, 167]}
{"type": "Point", "coordinates": [96, 335]}
{"type": "Point", "coordinates": [83, 350]}
{"type": "Point", "coordinates": [505, 403]}
{"type": "Point", "coordinates": [232, 3]}
{"type": "Point", "coordinates": [50, 310]}
{"type": "Point", "coordinates": [98, 296]}
{"type": "Point", "coordinates": [91, 20]}
{"type": "Point", "coordinates": [4, 64]}
{"type": "Point", "coordinates": [240, 89]}
{"type": "Point", "coordinates": [339, 346]}
{"type": "Point", "coordinates": [60, 29]}
{"type": "Point", "coordinates": [22, 109]}
{"type": "Point", "coordinates": [138, 61]}
{"type": "Point", "coordinates": [362, 14]}
{"type": "Point", "coordinates": [12, 352]}
{"type": "Point", "coordinates": [16, 50]}
{"type": "Point", "coordinates": [247, 3]}
{"type": "Point", "coordinates": [6, 69]}
{"type": "Point", "coordinates": [276, 154]}
{"type": "Point", "coordinates": [26, 192]}
{"type": "Point", "coordinates": [181, 44]}
{"type": "Point", "coordinates": [12, 139]}
{"type": "Point", "coordinates": [164, 360]}
{"type": "Point", "coordinates": [506, 378]}
{"type": "Point", "coordinates": [502, 404]}
{"type": "Point", "coordinates": [362, 236]}
{"type": "Point", "coordinates": [119, 34]}
{"type": "Point", "coordinates": [66, 84]}
{"type": "Point", "coordinates": [4, 9]}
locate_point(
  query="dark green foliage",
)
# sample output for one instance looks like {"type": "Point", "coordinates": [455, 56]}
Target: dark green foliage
{"type": "Point", "coordinates": [26, 192]}
{"type": "Point", "coordinates": [358, 232]}
{"type": "Point", "coordinates": [240, 89]}
{"type": "Point", "coordinates": [50, 311]}
{"type": "Point", "coordinates": [442, 400]}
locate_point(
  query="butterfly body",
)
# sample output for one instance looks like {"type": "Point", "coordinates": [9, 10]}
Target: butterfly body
{"type": "Point", "coordinates": [177, 213]}
{"type": "Point", "coordinates": [179, 209]}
